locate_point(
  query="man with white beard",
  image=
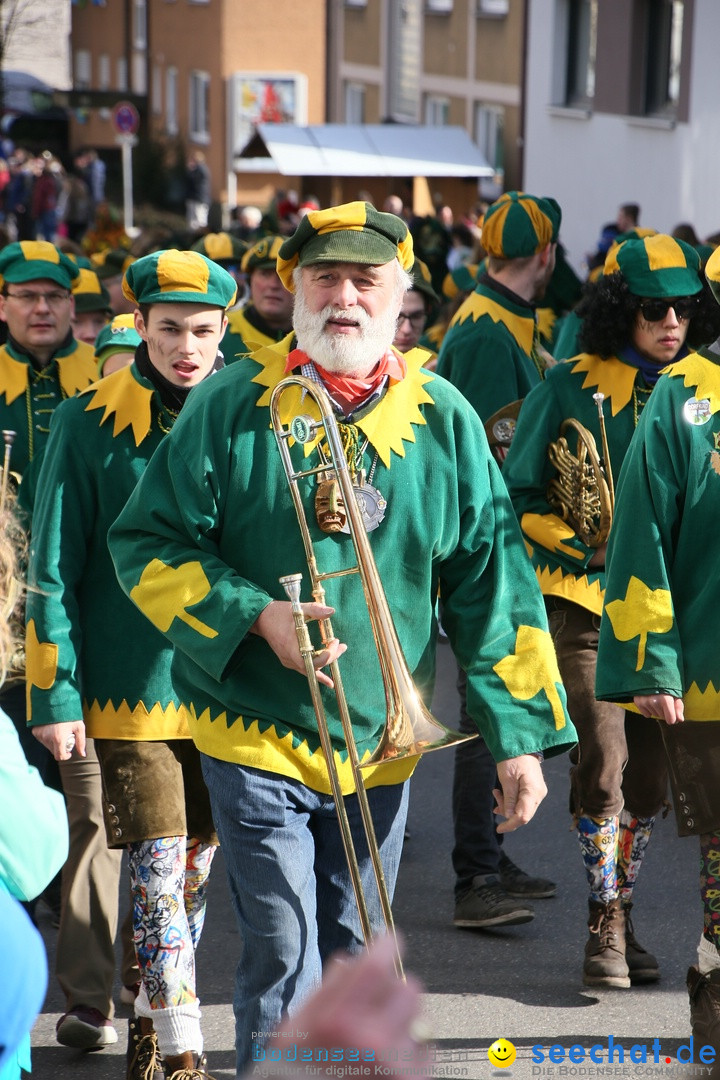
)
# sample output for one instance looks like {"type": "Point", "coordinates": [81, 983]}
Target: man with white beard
{"type": "Point", "coordinates": [211, 528]}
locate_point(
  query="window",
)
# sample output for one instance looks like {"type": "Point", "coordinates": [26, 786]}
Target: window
{"type": "Point", "coordinates": [437, 110]}
{"type": "Point", "coordinates": [104, 71]}
{"type": "Point", "coordinates": [439, 7]}
{"type": "Point", "coordinates": [139, 73]}
{"type": "Point", "coordinates": [490, 135]}
{"type": "Point", "coordinates": [122, 75]}
{"type": "Point", "coordinates": [157, 81]}
{"type": "Point", "coordinates": [171, 117]}
{"type": "Point", "coordinates": [356, 3]}
{"type": "Point", "coordinates": [354, 103]}
{"type": "Point", "coordinates": [139, 24]}
{"type": "Point", "coordinates": [404, 61]}
{"type": "Point", "coordinates": [493, 7]}
{"type": "Point", "coordinates": [581, 51]}
{"type": "Point", "coordinates": [663, 51]}
{"type": "Point", "coordinates": [83, 69]}
{"type": "Point", "coordinates": [199, 106]}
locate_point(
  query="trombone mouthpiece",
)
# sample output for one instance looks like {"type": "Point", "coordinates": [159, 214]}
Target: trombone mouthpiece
{"type": "Point", "coordinates": [291, 584]}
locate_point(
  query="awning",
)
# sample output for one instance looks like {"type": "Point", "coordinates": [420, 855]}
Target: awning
{"type": "Point", "coordinates": [395, 150]}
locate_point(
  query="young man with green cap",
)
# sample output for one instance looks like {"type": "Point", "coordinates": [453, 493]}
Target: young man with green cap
{"type": "Point", "coordinates": [211, 528]}
{"type": "Point", "coordinates": [643, 313]}
{"type": "Point", "coordinates": [267, 315]}
{"type": "Point", "coordinates": [492, 354]}
{"type": "Point", "coordinates": [96, 668]}
{"type": "Point", "coordinates": [657, 653]}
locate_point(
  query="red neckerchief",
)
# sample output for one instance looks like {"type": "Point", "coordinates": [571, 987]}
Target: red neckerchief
{"type": "Point", "coordinates": [349, 391]}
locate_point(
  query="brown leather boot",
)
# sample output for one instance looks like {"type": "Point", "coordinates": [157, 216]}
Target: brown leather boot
{"type": "Point", "coordinates": [642, 965]}
{"type": "Point", "coordinates": [187, 1066]}
{"type": "Point", "coordinates": [143, 1059]}
{"type": "Point", "coordinates": [704, 991]}
{"type": "Point", "coordinates": [605, 963]}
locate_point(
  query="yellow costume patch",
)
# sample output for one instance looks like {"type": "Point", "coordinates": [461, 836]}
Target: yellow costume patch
{"type": "Point", "coordinates": [521, 328]}
{"type": "Point", "coordinates": [183, 271]}
{"type": "Point", "coordinates": [41, 659]}
{"type": "Point", "coordinates": [532, 669]}
{"type": "Point", "coordinates": [612, 378]}
{"type": "Point", "coordinates": [551, 532]}
{"type": "Point", "coordinates": [108, 720]}
{"type": "Point", "coordinates": [13, 377]}
{"type": "Point", "coordinates": [165, 593]}
{"type": "Point", "coordinates": [587, 594]}
{"type": "Point", "coordinates": [697, 374]}
{"type": "Point", "coordinates": [125, 399]}
{"type": "Point", "coordinates": [643, 611]}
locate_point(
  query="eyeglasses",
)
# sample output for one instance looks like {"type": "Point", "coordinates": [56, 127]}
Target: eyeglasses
{"type": "Point", "coordinates": [416, 319]}
{"type": "Point", "coordinates": [655, 310]}
{"type": "Point", "coordinates": [30, 299]}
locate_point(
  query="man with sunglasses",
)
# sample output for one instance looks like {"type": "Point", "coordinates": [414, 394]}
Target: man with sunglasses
{"type": "Point", "coordinates": [643, 313]}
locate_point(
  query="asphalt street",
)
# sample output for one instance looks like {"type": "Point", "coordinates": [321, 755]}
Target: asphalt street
{"type": "Point", "coordinates": [522, 983]}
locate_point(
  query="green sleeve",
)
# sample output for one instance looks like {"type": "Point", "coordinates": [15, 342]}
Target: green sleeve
{"type": "Point", "coordinates": [65, 508]}
{"type": "Point", "coordinates": [640, 649]}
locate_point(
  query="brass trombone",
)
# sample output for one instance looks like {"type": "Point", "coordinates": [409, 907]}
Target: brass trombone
{"type": "Point", "coordinates": [410, 728]}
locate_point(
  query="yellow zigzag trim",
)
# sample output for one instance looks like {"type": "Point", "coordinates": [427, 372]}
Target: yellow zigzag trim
{"type": "Point", "coordinates": [78, 370]}
{"type": "Point", "coordinates": [522, 328]}
{"type": "Point", "coordinates": [13, 377]}
{"type": "Point", "coordinates": [582, 591]}
{"type": "Point", "coordinates": [699, 375]}
{"type": "Point", "coordinates": [386, 426]}
{"type": "Point", "coordinates": [110, 721]}
{"type": "Point", "coordinates": [702, 704]}
{"type": "Point", "coordinates": [244, 743]}
{"type": "Point", "coordinates": [124, 398]}
{"type": "Point", "coordinates": [612, 378]}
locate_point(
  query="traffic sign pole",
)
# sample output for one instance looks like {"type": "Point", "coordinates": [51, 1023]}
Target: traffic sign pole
{"type": "Point", "coordinates": [126, 121]}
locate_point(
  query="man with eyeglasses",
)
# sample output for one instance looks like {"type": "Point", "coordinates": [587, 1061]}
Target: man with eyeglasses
{"type": "Point", "coordinates": [41, 363]}
{"type": "Point", "coordinates": [416, 307]}
{"type": "Point", "coordinates": [644, 313]}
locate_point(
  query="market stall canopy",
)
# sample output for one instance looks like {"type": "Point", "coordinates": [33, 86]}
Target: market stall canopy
{"type": "Point", "coordinates": [395, 150]}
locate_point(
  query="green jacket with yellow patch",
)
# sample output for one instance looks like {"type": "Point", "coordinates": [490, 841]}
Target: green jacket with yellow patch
{"type": "Point", "coordinates": [244, 334]}
{"type": "Point", "coordinates": [490, 350]}
{"type": "Point", "coordinates": [211, 528]}
{"type": "Point", "coordinates": [558, 554]}
{"type": "Point", "coordinates": [659, 627]}
{"type": "Point", "coordinates": [90, 653]}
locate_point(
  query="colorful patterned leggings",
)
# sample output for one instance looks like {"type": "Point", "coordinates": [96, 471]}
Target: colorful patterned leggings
{"type": "Point", "coordinates": [710, 886]}
{"type": "Point", "coordinates": [169, 878]}
{"type": "Point", "coordinates": [613, 850]}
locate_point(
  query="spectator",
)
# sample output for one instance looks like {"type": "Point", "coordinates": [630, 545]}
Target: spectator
{"type": "Point", "coordinates": [197, 191]}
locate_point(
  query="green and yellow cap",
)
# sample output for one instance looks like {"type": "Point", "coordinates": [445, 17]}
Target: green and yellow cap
{"type": "Point", "coordinates": [355, 232]}
{"type": "Point", "coordinates": [657, 265]}
{"type": "Point", "coordinates": [32, 260]}
{"type": "Point", "coordinates": [171, 277]}
{"type": "Point", "coordinates": [518, 225]}
{"type": "Point", "coordinates": [422, 281]}
{"type": "Point", "coordinates": [610, 265]}
{"type": "Point", "coordinates": [263, 253]}
{"type": "Point", "coordinates": [462, 279]}
{"type": "Point", "coordinates": [111, 263]}
{"type": "Point", "coordinates": [90, 293]}
{"type": "Point", "coordinates": [712, 273]}
{"type": "Point", "coordinates": [119, 336]}
{"type": "Point", "coordinates": [221, 247]}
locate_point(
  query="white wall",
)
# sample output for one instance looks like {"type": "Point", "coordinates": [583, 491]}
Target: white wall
{"type": "Point", "coordinates": [593, 165]}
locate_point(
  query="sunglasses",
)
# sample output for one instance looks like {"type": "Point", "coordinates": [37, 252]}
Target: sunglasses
{"type": "Point", "coordinates": [655, 310]}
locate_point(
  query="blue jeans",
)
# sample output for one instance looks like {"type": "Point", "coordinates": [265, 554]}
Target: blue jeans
{"type": "Point", "coordinates": [290, 885]}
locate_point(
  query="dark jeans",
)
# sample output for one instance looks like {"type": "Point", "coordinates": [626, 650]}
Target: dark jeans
{"type": "Point", "coordinates": [477, 844]}
{"type": "Point", "coordinates": [619, 760]}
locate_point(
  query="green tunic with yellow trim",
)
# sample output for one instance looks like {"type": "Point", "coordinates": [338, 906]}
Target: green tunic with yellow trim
{"type": "Point", "coordinates": [29, 396]}
{"type": "Point", "coordinates": [246, 331]}
{"type": "Point", "coordinates": [490, 350]}
{"type": "Point", "coordinates": [558, 554]}
{"type": "Point", "coordinates": [660, 626]}
{"type": "Point", "coordinates": [211, 528]}
{"type": "Point", "coordinates": [90, 653]}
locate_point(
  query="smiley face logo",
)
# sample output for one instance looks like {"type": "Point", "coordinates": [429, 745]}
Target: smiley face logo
{"type": "Point", "coordinates": [502, 1053]}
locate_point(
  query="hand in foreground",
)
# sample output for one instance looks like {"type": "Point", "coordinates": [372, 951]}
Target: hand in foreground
{"type": "Point", "coordinates": [62, 739]}
{"type": "Point", "coordinates": [276, 624]}
{"type": "Point", "coordinates": [662, 707]}
{"type": "Point", "coordinates": [362, 1005]}
{"type": "Point", "coordinates": [522, 790]}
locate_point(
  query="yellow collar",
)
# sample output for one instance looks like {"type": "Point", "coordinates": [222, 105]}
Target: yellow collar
{"type": "Point", "coordinates": [123, 397]}
{"type": "Point", "coordinates": [75, 372]}
{"type": "Point", "coordinates": [702, 376]}
{"type": "Point", "coordinates": [387, 426]}
{"type": "Point", "coordinates": [612, 377]}
{"type": "Point", "coordinates": [522, 327]}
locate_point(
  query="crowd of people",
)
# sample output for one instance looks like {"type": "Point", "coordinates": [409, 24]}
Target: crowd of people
{"type": "Point", "coordinates": [171, 686]}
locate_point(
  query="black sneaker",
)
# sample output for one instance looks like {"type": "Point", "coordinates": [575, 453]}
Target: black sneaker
{"type": "Point", "coordinates": [516, 882]}
{"type": "Point", "coordinates": [488, 904]}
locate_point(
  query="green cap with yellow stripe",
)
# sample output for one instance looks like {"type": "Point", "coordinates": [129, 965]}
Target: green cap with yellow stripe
{"type": "Point", "coordinates": [263, 253]}
{"type": "Point", "coordinates": [221, 247]}
{"type": "Point", "coordinates": [172, 277]}
{"type": "Point", "coordinates": [90, 293]}
{"type": "Point", "coordinates": [35, 260]}
{"type": "Point", "coordinates": [712, 273]}
{"type": "Point", "coordinates": [354, 233]}
{"type": "Point", "coordinates": [656, 266]}
{"type": "Point", "coordinates": [518, 225]}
